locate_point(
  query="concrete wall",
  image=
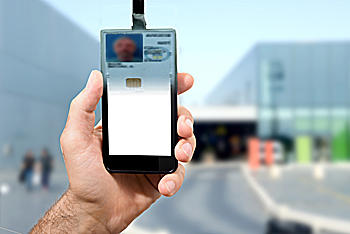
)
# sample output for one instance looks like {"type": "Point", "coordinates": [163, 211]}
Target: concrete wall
{"type": "Point", "coordinates": [44, 61]}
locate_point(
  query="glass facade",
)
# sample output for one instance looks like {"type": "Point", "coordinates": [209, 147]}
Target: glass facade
{"type": "Point", "coordinates": [300, 89]}
{"type": "Point", "coordinates": [304, 97]}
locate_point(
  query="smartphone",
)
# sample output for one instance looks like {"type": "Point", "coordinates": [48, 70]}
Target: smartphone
{"type": "Point", "coordinates": [139, 102]}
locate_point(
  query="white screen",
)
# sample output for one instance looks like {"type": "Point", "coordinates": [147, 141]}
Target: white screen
{"type": "Point", "coordinates": [139, 124]}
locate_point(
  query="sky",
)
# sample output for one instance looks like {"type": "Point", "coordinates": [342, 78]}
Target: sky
{"type": "Point", "coordinates": [212, 35]}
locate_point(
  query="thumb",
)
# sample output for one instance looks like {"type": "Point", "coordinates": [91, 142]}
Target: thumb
{"type": "Point", "coordinates": [81, 117]}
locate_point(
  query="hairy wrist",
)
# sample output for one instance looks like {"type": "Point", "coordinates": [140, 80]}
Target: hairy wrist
{"type": "Point", "coordinates": [69, 215]}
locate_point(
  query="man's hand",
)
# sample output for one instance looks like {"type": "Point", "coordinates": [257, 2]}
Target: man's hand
{"type": "Point", "coordinates": [96, 200]}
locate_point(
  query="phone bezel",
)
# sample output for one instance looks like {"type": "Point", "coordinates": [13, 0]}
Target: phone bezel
{"type": "Point", "coordinates": [138, 164]}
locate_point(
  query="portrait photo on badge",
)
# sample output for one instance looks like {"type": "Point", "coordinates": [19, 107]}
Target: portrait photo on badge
{"type": "Point", "coordinates": [124, 47]}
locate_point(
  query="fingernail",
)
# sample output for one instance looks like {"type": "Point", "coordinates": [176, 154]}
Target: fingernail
{"type": "Point", "coordinates": [187, 148]}
{"type": "Point", "coordinates": [189, 123]}
{"type": "Point", "coordinates": [90, 80]}
{"type": "Point", "coordinates": [170, 186]}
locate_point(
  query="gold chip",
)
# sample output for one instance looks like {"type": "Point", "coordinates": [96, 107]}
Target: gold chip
{"type": "Point", "coordinates": [133, 82]}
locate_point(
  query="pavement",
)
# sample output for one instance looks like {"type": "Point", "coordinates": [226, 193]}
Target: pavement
{"type": "Point", "coordinates": [212, 200]}
{"type": "Point", "coordinates": [215, 198]}
{"type": "Point", "coordinates": [20, 209]}
{"type": "Point", "coordinates": [297, 187]}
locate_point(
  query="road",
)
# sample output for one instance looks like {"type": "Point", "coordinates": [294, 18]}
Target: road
{"type": "Point", "coordinates": [212, 200]}
{"type": "Point", "coordinates": [299, 188]}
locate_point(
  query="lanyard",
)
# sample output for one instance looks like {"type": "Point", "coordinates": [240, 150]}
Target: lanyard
{"type": "Point", "coordinates": [138, 15]}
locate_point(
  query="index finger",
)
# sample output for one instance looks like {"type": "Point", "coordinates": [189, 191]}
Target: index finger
{"type": "Point", "coordinates": [184, 82]}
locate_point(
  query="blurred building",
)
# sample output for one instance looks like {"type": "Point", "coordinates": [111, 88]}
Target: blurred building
{"type": "Point", "coordinates": [44, 61]}
{"type": "Point", "coordinates": [302, 94]}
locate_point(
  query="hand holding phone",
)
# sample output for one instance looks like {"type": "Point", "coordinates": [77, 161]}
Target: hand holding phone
{"type": "Point", "coordinates": [96, 200]}
{"type": "Point", "coordinates": [106, 195]}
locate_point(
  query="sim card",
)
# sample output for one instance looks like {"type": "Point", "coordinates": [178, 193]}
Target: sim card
{"type": "Point", "coordinates": [133, 83]}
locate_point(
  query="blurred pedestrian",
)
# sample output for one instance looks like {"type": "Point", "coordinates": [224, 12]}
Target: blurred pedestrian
{"type": "Point", "coordinates": [46, 168]}
{"type": "Point", "coordinates": [27, 169]}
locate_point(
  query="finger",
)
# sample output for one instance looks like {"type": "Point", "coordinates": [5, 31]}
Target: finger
{"type": "Point", "coordinates": [184, 149]}
{"type": "Point", "coordinates": [184, 127]}
{"type": "Point", "coordinates": [81, 115]}
{"type": "Point", "coordinates": [184, 82]}
{"type": "Point", "coordinates": [184, 123]}
{"type": "Point", "coordinates": [181, 110]}
{"type": "Point", "coordinates": [171, 183]}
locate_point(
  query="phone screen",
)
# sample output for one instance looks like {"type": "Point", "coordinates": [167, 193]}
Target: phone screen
{"type": "Point", "coordinates": [139, 68]}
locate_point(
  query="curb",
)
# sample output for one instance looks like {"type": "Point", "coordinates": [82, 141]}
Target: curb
{"type": "Point", "coordinates": [318, 223]}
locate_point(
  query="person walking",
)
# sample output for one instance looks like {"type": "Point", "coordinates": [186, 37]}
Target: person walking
{"type": "Point", "coordinates": [46, 168]}
{"type": "Point", "coordinates": [28, 168]}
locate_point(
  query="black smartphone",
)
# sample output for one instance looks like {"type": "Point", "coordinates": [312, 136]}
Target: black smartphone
{"type": "Point", "coordinates": [139, 102]}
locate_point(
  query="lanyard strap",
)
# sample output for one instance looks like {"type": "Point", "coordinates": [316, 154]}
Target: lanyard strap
{"type": "Point", "coordinates": [138, 15]}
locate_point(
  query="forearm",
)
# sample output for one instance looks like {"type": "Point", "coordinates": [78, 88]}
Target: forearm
{"type": "Point", "coordinates": [67, 216]}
